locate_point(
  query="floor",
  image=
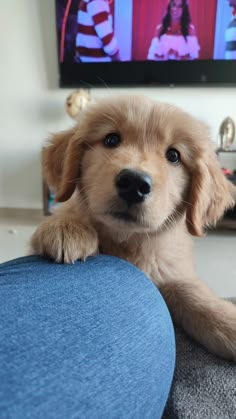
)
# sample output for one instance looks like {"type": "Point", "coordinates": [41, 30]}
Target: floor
{"type": "Point", "coordinates": [215, 254]}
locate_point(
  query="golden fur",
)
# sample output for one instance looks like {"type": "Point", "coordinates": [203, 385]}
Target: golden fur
{"type": "Point", "coordinates": [185, 198]}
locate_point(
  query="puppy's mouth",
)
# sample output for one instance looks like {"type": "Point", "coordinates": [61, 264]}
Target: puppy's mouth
{"type": "Point", "coordinates": [124, 216]}
{"type": "Point", "coordinates": [129, 214]}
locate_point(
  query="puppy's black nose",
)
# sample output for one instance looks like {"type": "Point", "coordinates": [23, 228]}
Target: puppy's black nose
{"type": "Point", "coordinates": [133, 186]}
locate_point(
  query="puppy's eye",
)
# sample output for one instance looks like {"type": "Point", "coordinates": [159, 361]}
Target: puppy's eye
{"type": "Point", "coordinates": [173, 156]}
{"type": "Point", "coordinates": [112, 140]}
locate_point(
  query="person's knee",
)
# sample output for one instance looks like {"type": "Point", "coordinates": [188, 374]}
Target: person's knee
{"type": "Point", "coordinates": [105, 311]}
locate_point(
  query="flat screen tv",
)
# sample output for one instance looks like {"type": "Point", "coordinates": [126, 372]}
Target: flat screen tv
{"type": "Point", "coordinates": [146, 42]}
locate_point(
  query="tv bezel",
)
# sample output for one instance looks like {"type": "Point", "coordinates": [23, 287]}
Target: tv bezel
{"type": "Point", "coordinates": [148, 73]}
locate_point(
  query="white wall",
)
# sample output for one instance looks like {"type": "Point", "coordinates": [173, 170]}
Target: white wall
{"type": "Point", "coordinates": [32, 106]}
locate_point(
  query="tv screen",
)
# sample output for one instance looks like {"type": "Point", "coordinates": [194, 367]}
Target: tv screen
{"type": "Point", "coordinates": [146, 42]}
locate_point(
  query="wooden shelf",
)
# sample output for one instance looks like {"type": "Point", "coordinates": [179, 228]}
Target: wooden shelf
{"type": "Point", "coordinates": [226, 224]}
{"type": "Point", "coordinates": [222, 150]}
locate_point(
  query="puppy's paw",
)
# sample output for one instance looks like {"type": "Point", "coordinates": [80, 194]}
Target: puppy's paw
{"type": "Point", "coordinates": [64, 241]}
{"type": "Point", "coordinates": [222, 339]}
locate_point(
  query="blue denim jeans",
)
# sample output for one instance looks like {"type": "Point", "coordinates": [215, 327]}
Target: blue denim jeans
{"type": "Point", "coordinates": [90, 340]}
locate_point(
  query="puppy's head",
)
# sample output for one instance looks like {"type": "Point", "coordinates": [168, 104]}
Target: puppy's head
{"type": "Point", "coordinates": [138, 166]}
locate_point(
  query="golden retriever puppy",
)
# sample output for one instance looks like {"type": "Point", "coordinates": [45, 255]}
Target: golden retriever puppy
{"type": "Point", "coordinates": [140, 178]}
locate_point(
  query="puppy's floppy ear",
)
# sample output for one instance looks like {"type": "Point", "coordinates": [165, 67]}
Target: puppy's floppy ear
{"type": "Point", "coordinates": [70, 172]}
{"type": "Point", "coordinates": [210, 195]}
{"type": "Point", "coordinates": [53, 156]}
{"type": "Point", "coordinates": [61, 163]}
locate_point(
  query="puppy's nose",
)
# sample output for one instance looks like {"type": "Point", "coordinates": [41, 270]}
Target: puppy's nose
{"type": "Point", "coordinates": [133, 186]}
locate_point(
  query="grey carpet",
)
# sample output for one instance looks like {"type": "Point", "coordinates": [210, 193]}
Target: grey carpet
{"type": "Point", "coordinates": [204, 385]}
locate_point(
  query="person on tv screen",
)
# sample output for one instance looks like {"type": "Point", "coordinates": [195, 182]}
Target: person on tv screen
{"type": "Point", "coordinates": [95, 39]}
{"type": "Point", "coordinates": [230, 34]}
{"type": "Point", "coordinates": [175, 37]}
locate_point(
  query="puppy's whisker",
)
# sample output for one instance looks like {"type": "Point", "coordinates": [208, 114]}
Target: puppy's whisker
{"type": "Point", "coordinates": [187, 219]}
{"type": "Point", "coordinates": [83, 199]}
{"type": "Point", "coordinates": [186, 202]}
{"type": "Point", "coordinates": [110, 118]}
{"type": "Point", "coordinates": [171, 221]}
{"type": "Point", "coordinates": [88, 84]}
{"type": "Point", "coordinates": [73, 180]}
{"type": "Point", "coordinates": [99, 152]}
{"type": "Point", "coordinates": [103, 81]}
{"type": "Point", "coordinates": [177, 213]}
{"type": "Point", "coordinates": [84, 189]}
{"type": "Point", "coordinates": [148, 237]}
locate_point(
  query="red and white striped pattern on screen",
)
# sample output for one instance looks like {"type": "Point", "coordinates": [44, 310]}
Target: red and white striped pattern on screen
{"type": "Point", "coordinates": [95, 40]}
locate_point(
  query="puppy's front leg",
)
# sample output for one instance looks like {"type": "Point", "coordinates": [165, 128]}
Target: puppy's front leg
{"type": "Point", "coordinates": [208, 319]}
{"type": "Point", "coordinates": [64, 238]}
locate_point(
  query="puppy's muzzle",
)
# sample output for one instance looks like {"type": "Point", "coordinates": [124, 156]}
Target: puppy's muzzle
{"type": "Point", "coordinates": [133, 186]}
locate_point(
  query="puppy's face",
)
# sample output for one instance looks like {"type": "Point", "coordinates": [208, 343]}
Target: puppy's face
{"type": "Point", "coordinates": [133, 174]}
{"type": "Point", "coordinates": [134, 162]}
